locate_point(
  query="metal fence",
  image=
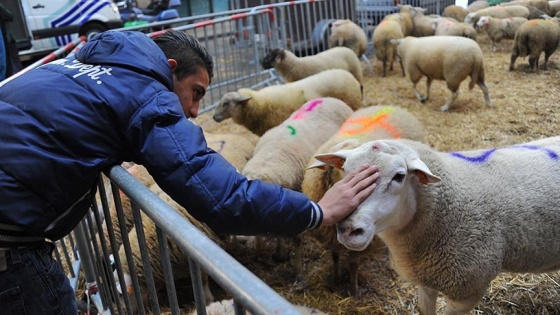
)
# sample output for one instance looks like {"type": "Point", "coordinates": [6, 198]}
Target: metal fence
{"type": "Point", "coordinates": [237, 39]}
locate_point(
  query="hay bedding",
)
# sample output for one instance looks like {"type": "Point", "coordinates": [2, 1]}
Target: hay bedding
{"type": "Point", "coordinates": [526, 107]}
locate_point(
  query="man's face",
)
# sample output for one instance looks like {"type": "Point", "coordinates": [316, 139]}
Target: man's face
{"type": "Point", "coordinates": [191, 90]}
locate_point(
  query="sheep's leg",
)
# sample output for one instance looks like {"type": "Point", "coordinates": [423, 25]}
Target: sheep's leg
{"type": "Point", "coordinates": [208, 296]}
{"type": "Point", "coordinates": [428, 86]}
{"type": "Point", "coordinates": [463, 307]}
{"type": "Point", "coordinates": [493, 46]}
{"type": "Point", "coordinates": [514, 54]}
{"type": "Point", "coordinates": [427, 299]}
{"type": "Point", "coordinates": [402, 67]}
{"type": "Point", "coordinates": [419, 95]}
{"type": "Point", "coordinates": [354, 263]}
{"type": "Point", "coordinates": [486, 93]}
{"type": "Point", "coordinates": [546, 56]}
{"type": "Point", "coordinates": [384, 68]}
{"type": "Point", "coordinates": [450, 100]}
{"type": "Point", "coordinates": [297, 259]}
{"type": "Point", "coordinates": [534, 62]}
{"type": "Point", "coordinates": [280, 252]}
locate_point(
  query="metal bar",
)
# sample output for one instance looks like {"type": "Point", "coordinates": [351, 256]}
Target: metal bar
{"type": "Point", "coordinates": [235, 278]}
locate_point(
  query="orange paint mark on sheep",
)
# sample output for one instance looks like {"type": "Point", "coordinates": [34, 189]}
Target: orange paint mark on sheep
{"type": "Point", "coordinates": [361, 125]}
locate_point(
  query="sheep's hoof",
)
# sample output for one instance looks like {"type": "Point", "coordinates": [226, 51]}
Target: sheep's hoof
{"type": "Point", "coordinates": [422, 100]}
{"type": "Point", "coordinates": [445, 108]}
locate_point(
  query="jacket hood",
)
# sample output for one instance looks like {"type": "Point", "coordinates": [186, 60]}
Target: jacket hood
{"type": "Point", "coordinates": [128, 49]}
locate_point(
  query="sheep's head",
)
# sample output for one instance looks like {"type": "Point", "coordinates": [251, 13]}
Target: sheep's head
{"type": "Point", "coordinates": [272, 57]}
{"type": "Point", "coordinates": [483, 22]}
{"type": "Point", "coordinates": [393, 203]}
{"type": "Point", "coordinates": [227, 105]}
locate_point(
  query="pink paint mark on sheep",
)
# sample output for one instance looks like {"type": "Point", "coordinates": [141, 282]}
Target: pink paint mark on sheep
{"type": "Point", "coordinates": [302, 112]}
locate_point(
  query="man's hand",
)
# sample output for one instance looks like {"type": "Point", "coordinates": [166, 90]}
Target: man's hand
{"type": "Point", "coordinates": [348, 193]}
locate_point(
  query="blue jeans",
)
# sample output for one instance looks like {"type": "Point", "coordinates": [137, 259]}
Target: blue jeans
{"type": "Point", "coordinates": [35, 283]}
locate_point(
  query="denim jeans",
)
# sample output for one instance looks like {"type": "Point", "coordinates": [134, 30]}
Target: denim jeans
{"type": "Point", "coordinates": [35, 283]}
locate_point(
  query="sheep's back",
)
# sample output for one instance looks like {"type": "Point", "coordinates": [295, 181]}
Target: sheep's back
{"type": "Point", "coordinates": [432, 55]}
{"type": "Point", "coordinates": [336, 83]}
{"type": "Point", "coordinates": [282, 153]}
{"type": "Point", "coordinates": [537, 35]}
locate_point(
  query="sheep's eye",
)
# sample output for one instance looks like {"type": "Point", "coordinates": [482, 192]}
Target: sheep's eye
{"type": "Point", "coordinates": [399, 177]}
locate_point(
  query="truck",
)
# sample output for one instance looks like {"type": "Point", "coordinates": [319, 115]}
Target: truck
{"type": "Point", "coordinates": [42, 26]}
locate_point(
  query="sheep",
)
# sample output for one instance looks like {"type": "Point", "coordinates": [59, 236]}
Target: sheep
{"type": "Point", "coordinates": [227, 307]}
{"type": "Point", "coordinates": [282, 153]}
{"type": "Point", "coordinates": [452, 221]}
{"type": "Point", "coordinates": [346, 33]}
{"type": "Point", "coordinates": [532, 38]}
{"type": "Point", "coordinates": [451, 27]}
{"type": "Point", "coordinates": [540, 5]}
{"type": "Point", "coordinates": [385, 51]}
{"type": "Point", "coordinates": [142, 175]}
{"type": "Point", "coordinates": [237, 149]}
{"type": "Point", "coordinates": [449, 58]}
{"type": "Point", "coordinates": [477, 5]}
{"type": "Point", "coordinates": [422, 23]}
{"type": "Point", "coordinates": [293, 68]}
{"type": "Point", "coordinates": [456, 12]}
{"type": "Point", "coordinates": [370, 123]}
{"type": "Point", "coordinates": [498, 29]}
{"type": "Point", "coordinates": [553, 7]}
{"type": "Point", "coordinates": [179, 260]}
{"type": "Point", "coordinates": [404, 17]}
{"type": "Point", "coordinates": [498, 12]}
{"type": "Point", "coordinates": [261, 110]}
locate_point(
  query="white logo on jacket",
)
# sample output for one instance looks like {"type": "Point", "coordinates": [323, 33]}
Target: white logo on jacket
{"type": "Point", "coordinates": [94, 72]}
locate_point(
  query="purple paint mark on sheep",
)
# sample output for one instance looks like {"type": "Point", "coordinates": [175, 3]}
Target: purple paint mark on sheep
{"type": "Point", "coordinates": [484, 156]}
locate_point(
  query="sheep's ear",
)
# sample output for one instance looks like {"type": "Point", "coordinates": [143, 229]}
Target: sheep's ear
{"type": "Point", "coordinates": [242, 99]}
{"type": "Point", "coordinates": [280, 55]}
{"type": "Point", "coordinates": [317, 164]}
{"type": "Point", "coordinates": [421, 170]}
{"type": "Point", "coordinates": [336, 159]}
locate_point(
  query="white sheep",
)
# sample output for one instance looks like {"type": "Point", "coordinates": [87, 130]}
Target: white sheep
{"type": "Point", "coordinates": [385, 51]}
{"type": "Point", "coordinates": [283, 152]}
{"type": "Point", "coordinates": [448, 58]}
{"type": "Point", "coordinates": [422, 23]}
{"type": "Point", "coordinates": [235, 148]}
{"type": "Point", "coordinates": [534, 37]}
{"type": "Point", "coordinates": [554, 7]}
{"type": "Point", "coordinates": [404, 17]}
{"type": "Point", "coordinates": [227, 307]}
{"type": "Point", "coordinates": [346, 33]}
{"type": "Point", "coordinates": [498, 12]}
{"type": "Point", "coordinates": [366, 124]}
{"type": "Point", "coordinates": [477, 5]}
{"type": "Point", "coordinates": [456, 12]}
{"type": "Point", "coordinates": [260, 110]}
{"type": "Point", "coordinates": [453, 221]}
{"type": "Point", "coordinates": [293, 68]}
{"type": "Point", "coordinates": [451, 27]}
{"type": "Point", "coordinates": [541, 5]}
{"type": "Point", "coordinates": [498, 29]}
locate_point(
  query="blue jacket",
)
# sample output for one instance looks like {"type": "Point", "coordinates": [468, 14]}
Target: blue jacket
{"type": "Point", "coordinates": [66, 121]}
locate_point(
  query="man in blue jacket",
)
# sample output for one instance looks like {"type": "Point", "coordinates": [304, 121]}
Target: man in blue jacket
{"type": "Point", "coordinates": [125, 97]}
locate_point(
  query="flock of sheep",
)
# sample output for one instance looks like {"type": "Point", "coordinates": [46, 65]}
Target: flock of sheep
{"type": "Point", "coordinates": [445, 217]}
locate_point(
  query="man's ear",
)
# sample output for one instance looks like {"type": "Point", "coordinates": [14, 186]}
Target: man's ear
{"type": "Point", "coordinates": [172, 64]}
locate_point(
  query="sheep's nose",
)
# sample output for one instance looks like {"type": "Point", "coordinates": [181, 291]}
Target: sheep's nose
{"type": "Point", "coordinates": [357, 232]}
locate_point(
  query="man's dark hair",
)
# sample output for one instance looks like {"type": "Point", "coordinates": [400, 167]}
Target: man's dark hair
{"type": "Point", "coordinates": [187, 51]}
